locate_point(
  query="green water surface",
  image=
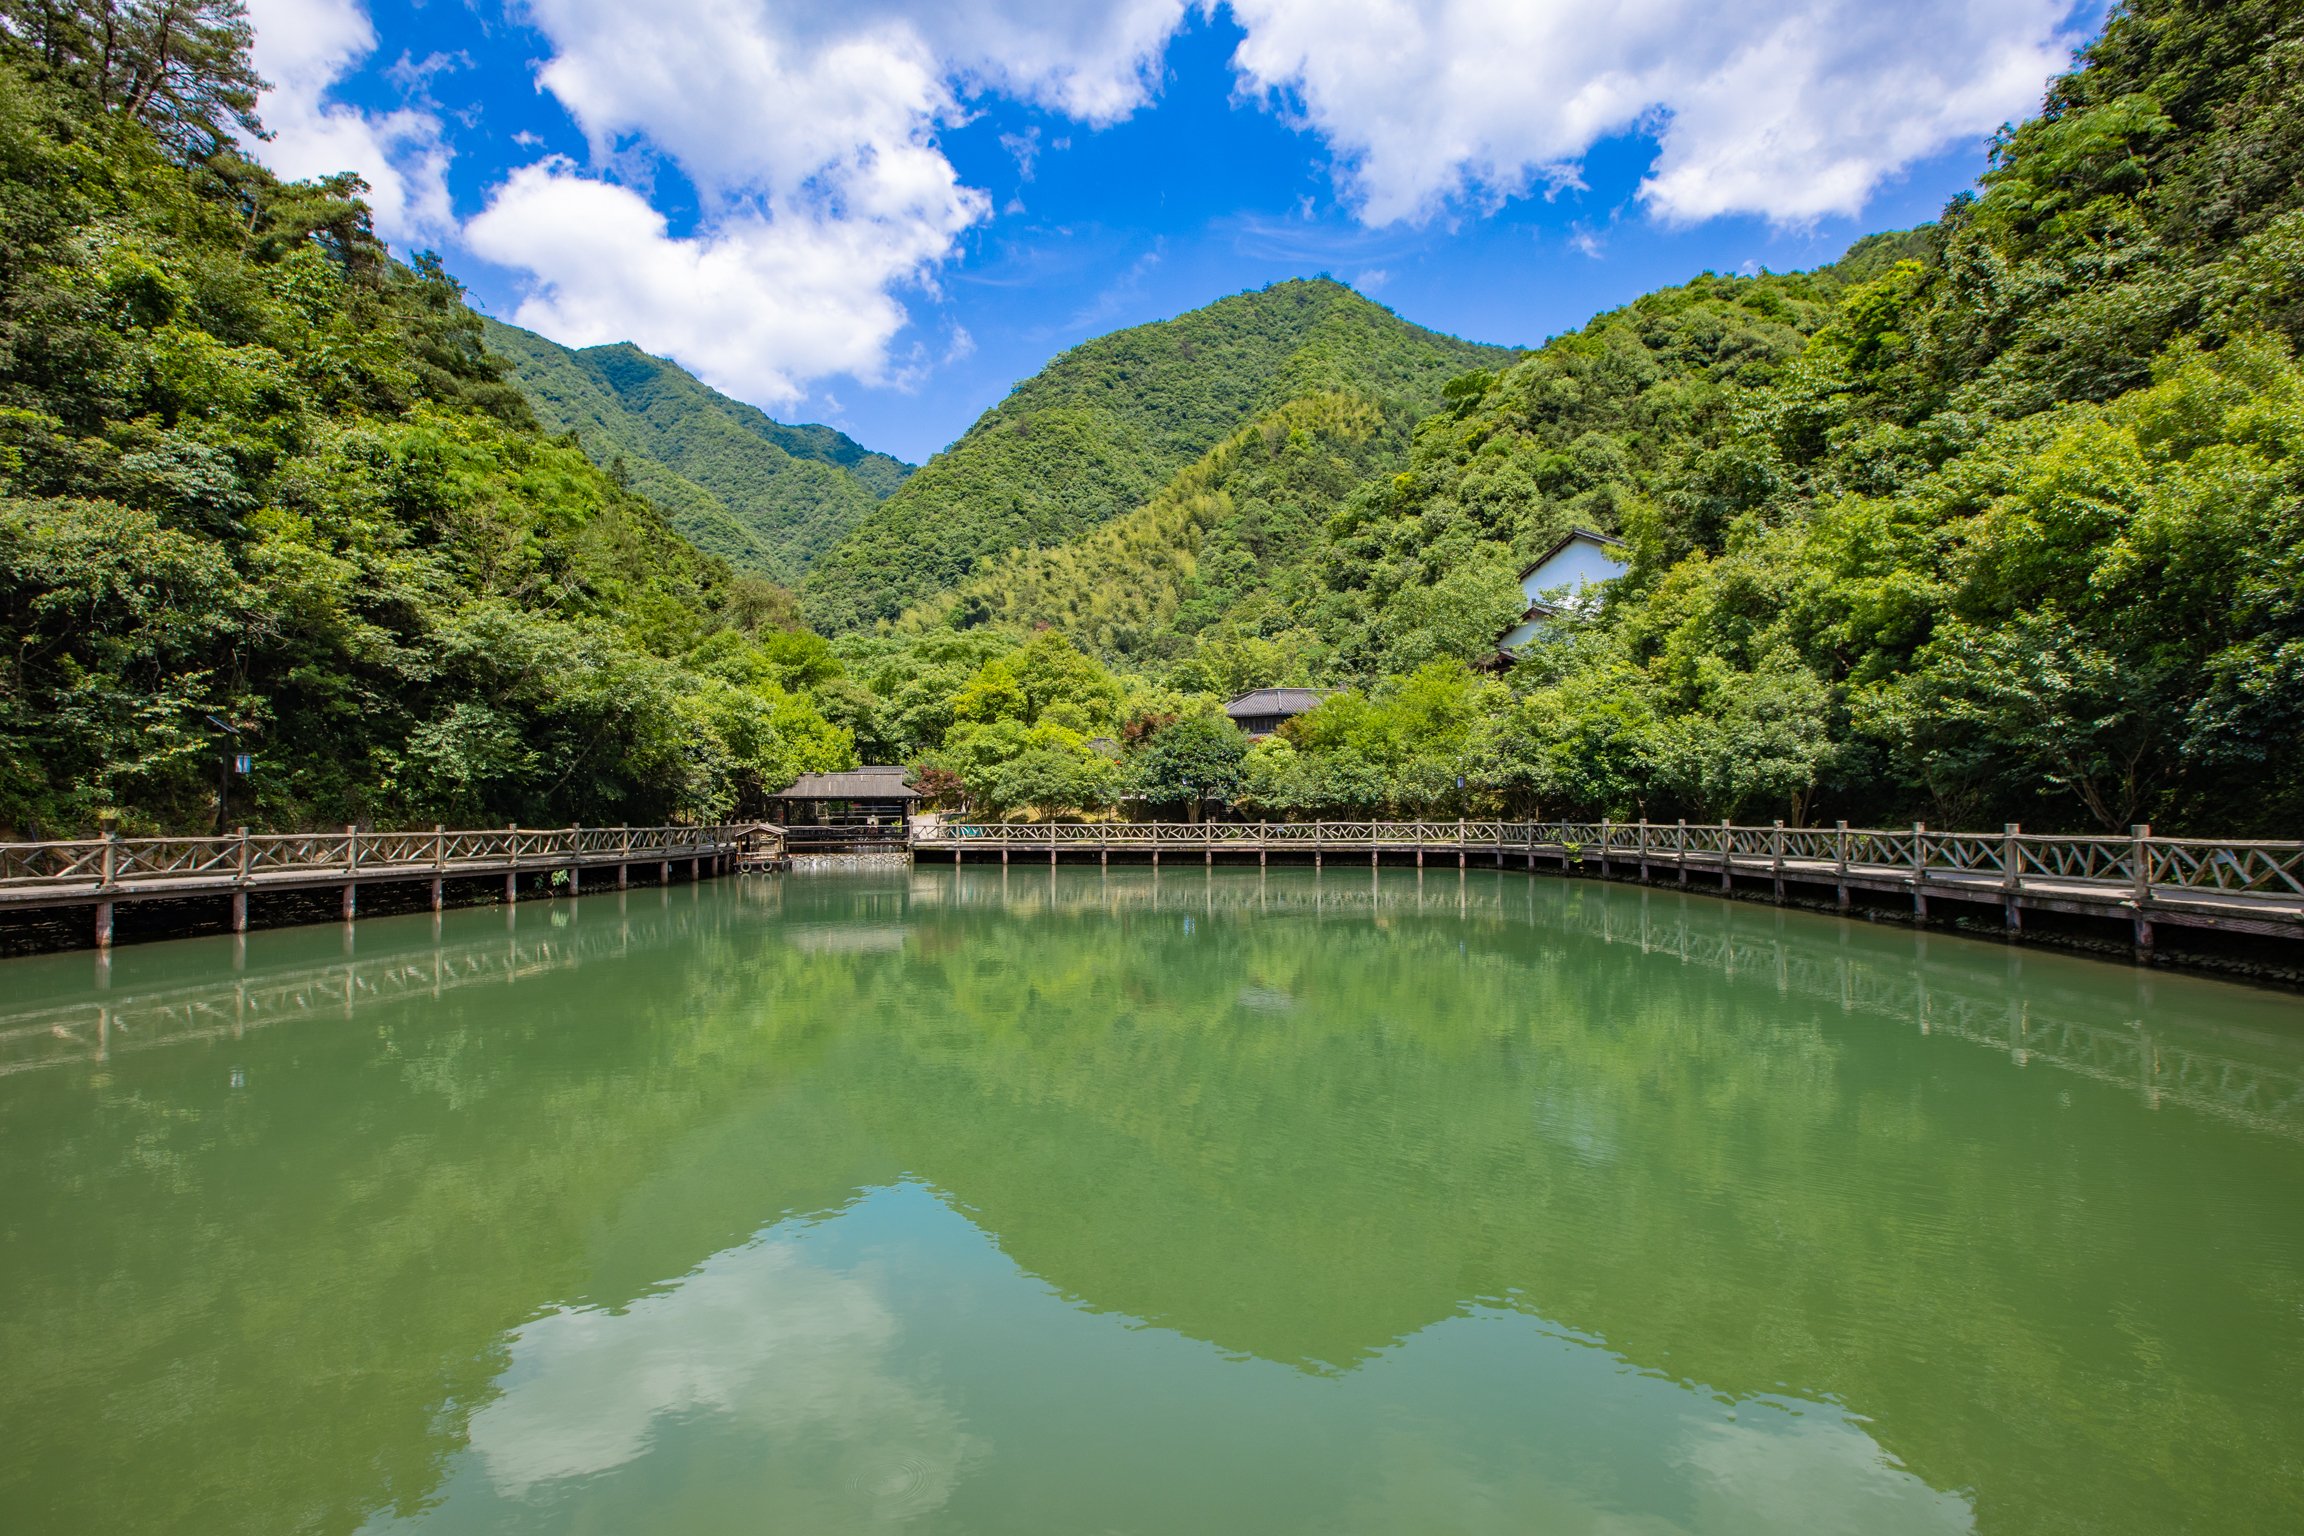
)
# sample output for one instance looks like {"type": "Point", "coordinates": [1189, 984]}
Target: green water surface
{"type": "Point", "coordinates": [1055, 1201]}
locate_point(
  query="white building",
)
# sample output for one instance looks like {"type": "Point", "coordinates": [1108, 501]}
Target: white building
{"type": "Point", "coordinates": [1571, 572]}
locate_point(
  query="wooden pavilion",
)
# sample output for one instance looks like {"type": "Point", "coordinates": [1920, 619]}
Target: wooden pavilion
{"type": "Point", "coordinates": [872, 796]}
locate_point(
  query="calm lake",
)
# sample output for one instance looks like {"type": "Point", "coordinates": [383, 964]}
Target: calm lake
{"type": "Point", "coordinates": [1055, 1201]}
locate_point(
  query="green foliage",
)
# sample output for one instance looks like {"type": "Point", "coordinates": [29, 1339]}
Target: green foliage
{"type": "Point", "coordinates": [253, 468]}
{"type": "Point", "coordinates": [1100, 430]}
{"type": "Point", "coordinates": [766, 497]}
{"type": "Point", "coordinates": [1190, 760]}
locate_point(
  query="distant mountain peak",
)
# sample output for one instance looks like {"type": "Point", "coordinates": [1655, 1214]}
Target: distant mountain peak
{"type": "Point", "coordinates": [1098, 431]}
{"type": "Point", "coordinates": [767, 496]}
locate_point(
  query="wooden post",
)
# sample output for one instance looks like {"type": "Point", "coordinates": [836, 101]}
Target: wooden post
{"type": "Point", "coordinates": [575, 880]}
{"type": "Point", "coordinates": [1776, 858]}
{"type": "Point", "coordinates": [1680, 849]}
{"type": "Point", "coordinates": [1317, 828]}
{"type": "Point", "coordinates": [623, 875]}
{"type": "Point", "coordinates": [1840, 860]}
{"type": "Point", "coordinates": [2140, 865]}
{"type": "Point", "coordinates": [103, 925]}
{"type": "Point", "coordinates": [664, 872]}
{"type": "Point", "coordinates": [1727, 853]}
{"type": "Point", "coordinates": [2011, 875]}
{"type": "Point", "coordinates": [351, 867]}
{"type": "Point", "coordinates": [1643, 850]}
{"type": "Point", "coordinates": [240, 893]}
{"type": "Point", "coordinates": [1919, 870]}
{"type": "Point", "coordinates": [1419, 845]}
{"type": "Point", "coordinates": [1604, 847]}
{"type": "Point", "coordinates": [511, 887]}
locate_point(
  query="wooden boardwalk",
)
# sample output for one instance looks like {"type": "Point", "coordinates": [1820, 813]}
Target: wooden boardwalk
{"type": "Point", "coordinates": [2245, 887]}
{"type": "Point", "coordinates": [100, 872]}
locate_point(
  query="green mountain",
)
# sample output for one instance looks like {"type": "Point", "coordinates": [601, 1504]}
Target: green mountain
{"type": "Point", "coordinates": [766, 497]}
{"type": "Point", "coordinates": [1103, 427]}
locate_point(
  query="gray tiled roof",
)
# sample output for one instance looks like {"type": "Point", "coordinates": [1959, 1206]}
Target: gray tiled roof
{"type": "Point", "coordinates": [1275, 701]}
{"type": "Point", "coordinates": [873, 781]}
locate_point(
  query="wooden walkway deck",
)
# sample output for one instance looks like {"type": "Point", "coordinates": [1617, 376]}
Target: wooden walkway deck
{"type": "Point", "coordinates": [100, 872]}
{"type": "Point", "coordinates": [2245, 887]}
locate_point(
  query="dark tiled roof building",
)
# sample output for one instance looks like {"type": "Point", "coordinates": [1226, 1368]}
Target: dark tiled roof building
{"type": "Point", "coordinates": [875, 792]}
{"type": "Point", "coordinates": [1260, 713]}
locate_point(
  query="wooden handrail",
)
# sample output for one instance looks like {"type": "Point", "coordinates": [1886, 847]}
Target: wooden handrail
{"type": "Point", "coordinates": [107, 862]}
{"type": "Point", "coordinates": [2013, 860]}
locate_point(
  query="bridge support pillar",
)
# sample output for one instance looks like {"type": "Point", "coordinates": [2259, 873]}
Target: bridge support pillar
{"type": "Point", "coordinates": [351, 902]}
{"type": "Point", "coordinates": [1208, 857]}
{"type": "Point", "coordinates": [1919, 904]}
{"type": "Point", "coordinates": [1003, 858]}
{"type": "Point", "coordinates": [439, 894]}
{"type": "Point", "coordinates": [1051, 855]}
{"type": "Point", "coordinates": [239, 911]}
{"type": "Point", "coordinates": [1155, 858]}
{"type": "Point", "coordinates": [1261, 855]}
{"type": "Point", "coordinates": [695, 869]}
{"type": "Point", "coordinates": [512, 887]}
{"type": "Point", "coordinates": [575, 880]}
{"type": "Point", "coordinates": [955, 858]}
{"type": "Point", "coordinates": [664, 873]}
{"type": "Point", "coordinates": [1419, 857]}
{"type": "Point", "coordinates": [623, 877]}
{"type": "Point", "coordinates": [2143, 937]}
{"type": "Point", "coordinates": [103, 925]}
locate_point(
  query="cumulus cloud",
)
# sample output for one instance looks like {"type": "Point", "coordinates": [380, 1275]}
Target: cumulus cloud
{"type": "Point", "coordinates": [756, 304]}
{"type": "Point", "coordinates": [809, 135]}
{"type": "Point", "coordinates": [1791, 109]}
{"type": "Point", "coordinates": [303, 47]}
{"type": "Point", "coordinates": [810, 132]}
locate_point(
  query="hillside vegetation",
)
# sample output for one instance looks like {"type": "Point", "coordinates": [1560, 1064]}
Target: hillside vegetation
{"type": "Point", "coordinates": [1993, 520]}
{"type": "Point", "coordinates": [766, 497]}
{"type": "Point", "coordinates": [255, 472]}
{"type": "Point", "coordinates": [1103, 427]}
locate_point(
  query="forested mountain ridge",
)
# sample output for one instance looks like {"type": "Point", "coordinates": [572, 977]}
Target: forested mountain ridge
{"type": "Point", "coordinates": [767, 497]}
{"type": "Point", "coordinates": [1251, 566]}
{"type": "Point", "coordinates": [1997, 520]}
{"type": "Point", "coordinates": [2014, 536]}
{"type": "Point", "coordinates": [254, 471]}
{"type": "Point", "coordinates": [1103, 427]}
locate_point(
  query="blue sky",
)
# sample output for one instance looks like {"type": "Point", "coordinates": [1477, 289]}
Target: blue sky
{"type": "Point", "coordinates": [881, 214]}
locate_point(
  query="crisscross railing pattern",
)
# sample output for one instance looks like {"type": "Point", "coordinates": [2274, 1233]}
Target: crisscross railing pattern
{"type": "Point", "coordinates": [106, 863]}
{"type": "Point", "coordinates": [2133, 869]}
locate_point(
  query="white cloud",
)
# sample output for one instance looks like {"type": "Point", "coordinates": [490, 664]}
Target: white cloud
{"type": "Point", "coordinates": [1791, 109]}
{"type": "Point", "coordinates": [304, 47]}
{"type": "Point", "coordinates": [809, 135]}
{"type": "Point", "coordinates": [755, 305]}
{"type": "Point", "coordinates": [810, 132]}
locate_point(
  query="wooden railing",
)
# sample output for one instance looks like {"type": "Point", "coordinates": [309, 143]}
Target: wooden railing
{"type": "Point", "coordinates": [2253, 887]}
{"type": "Point", "coordinates": [2270, 868]}
{"type": "Point", "coordinates": [30, 870]}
